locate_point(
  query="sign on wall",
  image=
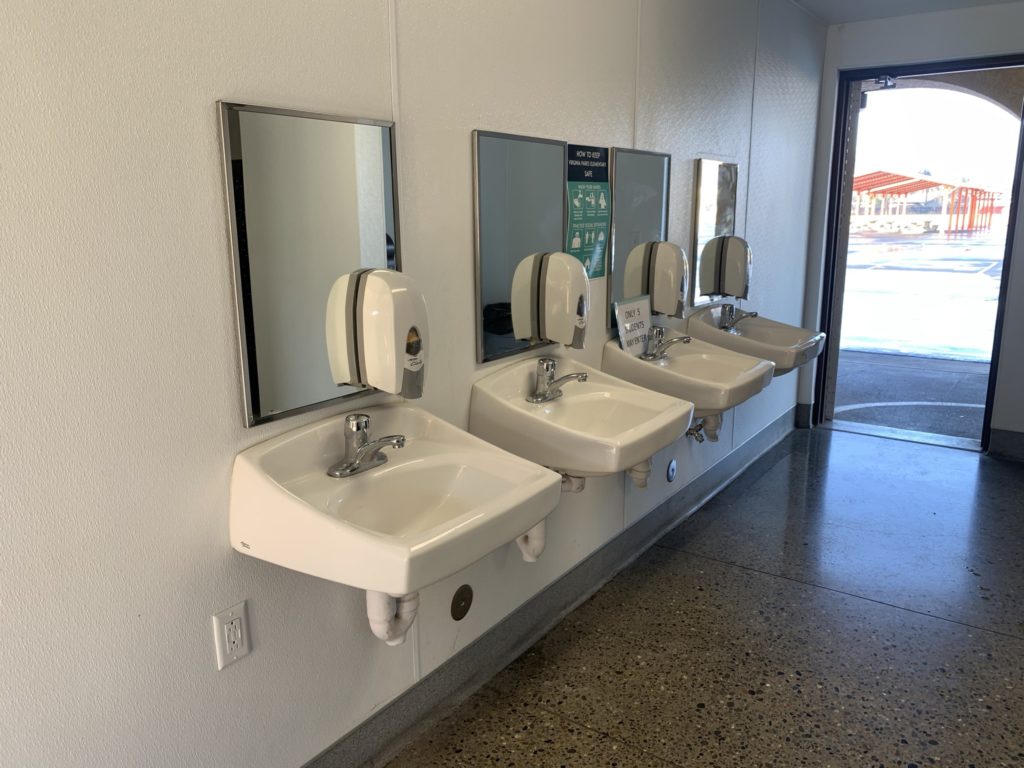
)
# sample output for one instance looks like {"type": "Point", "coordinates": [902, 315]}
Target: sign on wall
{"type": "Point", "coordinates": [590, 207]}
{"type": "Point", "coordinates": [634, 320]}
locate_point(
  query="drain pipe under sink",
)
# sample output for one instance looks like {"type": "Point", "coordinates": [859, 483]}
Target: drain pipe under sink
{"type": "Point", "coordinates": [531, 543]}
{"type": "Point", "coordinates": [572, 483]}
{"type": "Point", "coordinates": [391, 615]}
{"type": "Point", "coordinates": [639, 473]}
{"type": "Point", "coordinates": [712, 424]}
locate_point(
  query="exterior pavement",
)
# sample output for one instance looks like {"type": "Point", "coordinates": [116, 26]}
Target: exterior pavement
{"type": "Point", "coordinates": [930, 395]}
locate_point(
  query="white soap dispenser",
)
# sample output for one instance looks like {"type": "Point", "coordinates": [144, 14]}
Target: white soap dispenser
{"type": "Point", "coordinates": [377, 331]}
{"type": "Point", "coordinates": [725, 263]}
{"type": "Point", "coordinates": [658, 269]}
{"type": "Point", "coordinates": [551, 299]}
{"type": "Point", "coordinates": [736, 268]}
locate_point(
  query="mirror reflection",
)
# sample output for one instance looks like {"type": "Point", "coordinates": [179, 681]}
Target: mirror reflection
{"type": "Point", "coordinates": [640, 185]}
{"type": "Point", "coordinates": [714, 205]}
{"type": "Point", "coordinates": [725, 265]}
{"type": "Point", "coordinates": [311, 197]}
{"type": "Point", "coordinates": [520, 199]}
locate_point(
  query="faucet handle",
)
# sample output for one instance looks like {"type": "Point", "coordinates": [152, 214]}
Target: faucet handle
{"type": "Point", "coordinates": [546, 367]}
{"type": "Point", "coordinates": [357, 422]}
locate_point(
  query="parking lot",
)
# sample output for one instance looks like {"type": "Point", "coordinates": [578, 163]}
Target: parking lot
{"type": "Point", "coordinates": [926, 294]}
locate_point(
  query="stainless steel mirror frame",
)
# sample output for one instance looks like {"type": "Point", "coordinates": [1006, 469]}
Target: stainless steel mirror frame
{"type": "Point", "coordinates": [249, 416]}
{"type": "Point", "coordinates": [477, 283]}
{"type": "Point", "coordinates": [610, 320]}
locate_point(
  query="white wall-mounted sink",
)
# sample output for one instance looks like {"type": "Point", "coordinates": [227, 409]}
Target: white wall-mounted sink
{"type": "Point", "coordinates": [788, 346]}
{"type": "Point", "coordinates": [712, 378]}
{"type": "Point", "coordinates": [597, 427]}
{"type": "Point", "coordinates": [439, 504]}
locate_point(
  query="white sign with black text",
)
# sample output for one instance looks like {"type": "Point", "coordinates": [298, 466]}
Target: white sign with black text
{"type": "Point", "coordinates": [634, 320]}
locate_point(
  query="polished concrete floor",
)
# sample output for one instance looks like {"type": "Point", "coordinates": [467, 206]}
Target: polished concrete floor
{"type": "Point", "coordinates": [922, 394]}
{"type": "Point", "coordinates": [848, 601]}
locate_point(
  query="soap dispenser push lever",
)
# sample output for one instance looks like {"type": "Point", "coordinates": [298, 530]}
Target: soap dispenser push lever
{"type": "Point", "coordinates": [657, 344]}
{"type": "Point", "coordinates": [549, 388]}
{"type": "Point", "coordinates": [361, 453]}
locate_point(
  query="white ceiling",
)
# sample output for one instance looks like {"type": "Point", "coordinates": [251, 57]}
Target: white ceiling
{"type": "Point", "coordinates": [843, 11]}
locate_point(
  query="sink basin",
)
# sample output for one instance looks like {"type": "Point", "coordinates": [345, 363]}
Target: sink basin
{"type": "Point", "coordinates": [598, 427]}
{"type": "Point", "coordinates": [439, 504]}
{"type": "Point", "coordinates": [785, 345]}
{"type": "Point", "coordinates": [712, 378]}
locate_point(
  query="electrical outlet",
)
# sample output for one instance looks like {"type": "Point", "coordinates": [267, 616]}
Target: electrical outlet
{"type": "Point", "coordinates": [231, 634]}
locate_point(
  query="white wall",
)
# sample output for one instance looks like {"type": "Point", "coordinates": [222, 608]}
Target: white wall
{"type": "Point", "coordinates": [1007, 409]}
{"type": "Point", "coordinates": [785, 106]}
{"type": "Point", "coordinates": [970, 33]}
{"type": "Point", "coordinates": [119, 394]}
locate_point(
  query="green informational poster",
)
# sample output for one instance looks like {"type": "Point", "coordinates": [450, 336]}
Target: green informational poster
{"type": "Point", "coordinates": [588, 228]}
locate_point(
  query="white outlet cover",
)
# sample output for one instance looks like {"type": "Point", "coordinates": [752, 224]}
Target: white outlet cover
{"type": "Point", "coordinates": [224, 627]}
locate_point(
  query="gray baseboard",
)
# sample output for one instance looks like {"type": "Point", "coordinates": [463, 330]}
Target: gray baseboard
{"type": "Point", "coordinates": [377, 740]}
{"type": "Point", "coordinates": [803, 415]}
{"type": "Point", "coordinates": [1006, 444]}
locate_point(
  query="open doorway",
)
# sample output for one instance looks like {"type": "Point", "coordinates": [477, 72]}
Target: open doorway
{"type": "Point", "coordinates": [923, 186]}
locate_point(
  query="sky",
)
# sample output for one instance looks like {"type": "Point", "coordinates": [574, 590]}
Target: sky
{"type": "Point", "coordinates": [954, 135]}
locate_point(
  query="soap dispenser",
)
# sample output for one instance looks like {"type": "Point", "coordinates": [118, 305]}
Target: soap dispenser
{"type": "Point", "coordinates": [736, 267]}
{"type": "Point", "coordinates": [551, 299]}
{"type": "Point", "coordinates": [725, 265]}
{"type": "Point", "coordinates": [658, 269]}
{"type": "Point", "coordinates": [377, 331]}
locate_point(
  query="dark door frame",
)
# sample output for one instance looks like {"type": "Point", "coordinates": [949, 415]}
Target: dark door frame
{"type": "Point", "coordinates": [833, 233]}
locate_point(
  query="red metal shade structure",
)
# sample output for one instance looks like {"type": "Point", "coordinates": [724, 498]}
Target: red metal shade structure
{"type": "Point", "coordinates": [968, 208]}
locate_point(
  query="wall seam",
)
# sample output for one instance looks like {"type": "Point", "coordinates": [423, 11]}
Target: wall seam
{"type": "Point", "coordinates": [753, 99]}
{"type": "Point", "coordinates": [810, 14]}
{"type": "Point", "coordinates": [392, 12]}
{"type": "Point", "coordinates": [393, 59]}
{"type": "Point", "coordinates": [636, 73]}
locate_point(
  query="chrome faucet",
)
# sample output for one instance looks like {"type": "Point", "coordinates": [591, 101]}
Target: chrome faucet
{"type": "Point", "coordinates": [657, 345]}
{"type": "Point", "coordinates": [549, 388]}
{"type": "Point", "coordinates": [731, 315]}
{"type": "Point", "coordinates": [361, 453]}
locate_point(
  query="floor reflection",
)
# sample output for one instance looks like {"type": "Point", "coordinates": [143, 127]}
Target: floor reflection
{"type": "Point", "coordinates": [922, 527]}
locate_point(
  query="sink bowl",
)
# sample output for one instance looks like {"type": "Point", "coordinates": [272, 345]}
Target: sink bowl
{"type": "Point", "coordinates": [785, 345]}
{"type": "Point", "coordinates": [598, 427]}
{"type": "Point", "coordinates": [712, 378]}
{"type": "Point", "coordinates": [439, 504]}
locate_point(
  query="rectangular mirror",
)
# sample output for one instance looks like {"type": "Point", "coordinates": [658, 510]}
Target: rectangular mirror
{"type": "Point", "coordinates": [310, 197]}
{"type": "Point", "coordinates": [519, 186]}
{"type": "Point", "coordinates": [640, 189]}
{"type": "Point", "coordinates": [714, 211]}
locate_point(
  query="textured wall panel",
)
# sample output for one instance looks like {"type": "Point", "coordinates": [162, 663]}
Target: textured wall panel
{"type": "Point", "coordinates": [555, 70]}
{"type": "Point", "coordinates": [692, 460]}
{"type": "Point", "coordinates": [119, 392]}
{"type": "Point", "coordinates": [790, 51]}
{"type": "Point", "coordinates": [696, 75]}
{"type": "Point", "coordinates": [503, 581]}
{"type": "Point", "coordinates": [121, 405]}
